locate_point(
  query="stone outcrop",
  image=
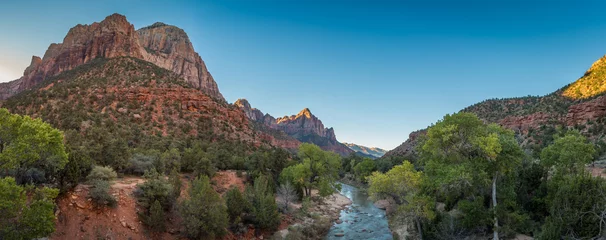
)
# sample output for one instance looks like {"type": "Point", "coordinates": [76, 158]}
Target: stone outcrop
{"type": "Point", "coordinates": [166, 46]}
{"type": "Point", "coordinates": [583, 112]}
{"type": "Point", "coordinates": [304, 127]}
{"type": "Point", "coordinates": [524, 123]}
{"type": "Point", "coordinates": [169, 47]}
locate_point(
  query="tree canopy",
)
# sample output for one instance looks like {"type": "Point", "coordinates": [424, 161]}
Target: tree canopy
{"type": "Point", "coordinates": [26, 144]}
{"type": "Point", "coordinates": [318, 170]}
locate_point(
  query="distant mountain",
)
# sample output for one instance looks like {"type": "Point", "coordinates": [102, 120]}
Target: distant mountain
{"type": "Point", "coordinates": [304, 127]}
{"type": "Point", "coordinates": [580, 105]}
{"type": "Point", "coordinates": [372, 152]}
{"type": "Point", "coordinates": [166, 46]}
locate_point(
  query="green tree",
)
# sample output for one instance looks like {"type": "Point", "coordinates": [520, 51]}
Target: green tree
{"type": "Point", "coordinates": [204, 213]}
{"type": "Point", "coordinates": [265, 209]}
{"type": "Point", "coordinates": [237, 205]}
{"type": "Point", "coordinates": [24, 217]}
{"type": "Point", "coordinates": [364, 169]}
{"type": "Point", "coordinates": [568, 154]}
{"type": "Point", "coordinates": [318, 170]}
{"type": "Point", "coordinates": [156, 218]}
{"type": "Point", "coordinates": [403, 183]}
{"type": "Point", "coordinates": [172, 159]}
{"type": "Point", "coordinates": [27, 143]}
{"type": "Point", "coordinates": [462, 155]}
{"type": "Point", "coordinates": [175, 181]}
{"type": "Point", "coordinates": [155, 188]}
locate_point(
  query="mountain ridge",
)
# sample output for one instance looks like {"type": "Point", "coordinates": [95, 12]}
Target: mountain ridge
{"type": "Point", "coordinates": [304, 127]}
{"type": "Point", "coordinates": [374, 152]}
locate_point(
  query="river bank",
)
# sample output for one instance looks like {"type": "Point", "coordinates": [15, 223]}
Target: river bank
{"type": "Point", "coordinates": [360, 220]}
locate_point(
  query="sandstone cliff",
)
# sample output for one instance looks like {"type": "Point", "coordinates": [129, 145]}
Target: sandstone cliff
{"type": "Point", "coordinates": [166, 46]}
{"type": "Point", "coordinates": [169, 47]}
{"type": "Point", "coordinates": [305, 127]}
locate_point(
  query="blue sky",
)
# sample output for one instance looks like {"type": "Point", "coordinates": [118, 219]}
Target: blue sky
{"type": "Point", "coordinates": [373, 70]}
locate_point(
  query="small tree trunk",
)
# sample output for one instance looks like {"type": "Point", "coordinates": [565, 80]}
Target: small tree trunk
{"type": "Point", "coordinates": [494, 207]}
{"type": "Point", "coordinates": [419, 229]}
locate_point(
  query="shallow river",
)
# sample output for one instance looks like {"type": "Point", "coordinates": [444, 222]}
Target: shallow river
{"type": "Point", "coordinates": [361, 220]}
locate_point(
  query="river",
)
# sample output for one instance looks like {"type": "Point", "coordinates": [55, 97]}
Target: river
{"type": "Point", "coordinates": [361, 219]}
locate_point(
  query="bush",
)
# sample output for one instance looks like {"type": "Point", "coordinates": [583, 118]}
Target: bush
{"type": "Point", "coordinates": [316, 230]}
{"type": "Point", "coordinates": [236, 204]}
{"type": "Point", "coordinates": [100, 193]}
{"type": "Point", "coordinates": [156, 219]}
{"type": "Point", "coordinates": [204, 213]}
{"type": "Point", "coordinates": [156, 188]}
{"type": "Point", "coordinates": [140, 163]}
{"type": "Point", "coordinates": [101, 173]}
{"type": "Point", "coordinates": [265, 208]}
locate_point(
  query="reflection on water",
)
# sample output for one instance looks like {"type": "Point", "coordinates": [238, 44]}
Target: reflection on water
{"type": "Point", "coordinates": [361, 220]}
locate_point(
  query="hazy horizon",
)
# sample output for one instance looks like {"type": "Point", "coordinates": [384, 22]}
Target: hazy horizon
{"type": "Point", "coordinates": [373, 70]}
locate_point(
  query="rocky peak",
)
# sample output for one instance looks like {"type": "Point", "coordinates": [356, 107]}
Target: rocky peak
{"type": "Point", "coordinates": [304, 127]}
{"type": "Point", "coordinates": [305, 113]}
{"type": "Point", "coordinates": [164, 45]}
{"type": "Point", "coordinates": [169, 47]}
{"type": "Point", "coordinates": [252, 113]}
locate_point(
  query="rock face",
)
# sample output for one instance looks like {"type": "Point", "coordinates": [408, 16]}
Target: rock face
{"type": "Point", "coordinates": [583, 112]}
{"type": "Point", "coordinates": [524, 123]}
{"type": "Point", "coordinates": [305, 127]}
{"type": "Point", "coordinates": [407, 148]}
{"type": "Point", "coordinates": [169, 47]}
{"type": "Point", "coordinates": [165, 46]}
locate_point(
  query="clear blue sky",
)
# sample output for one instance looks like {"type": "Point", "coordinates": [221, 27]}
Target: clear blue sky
{"type": "Point", "coordinates": [373, 70]}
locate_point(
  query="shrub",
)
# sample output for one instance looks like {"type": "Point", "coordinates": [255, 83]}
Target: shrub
{"type": "Point", "coordinates": [265, 208]}
{"type": "Point", "coordinates": [204, 213]}
{"type": "Point", "coordinates": [100, 193]}
{"type": "Point", "coordinates": [101, 173]}
{"type": "Point", "coordinates": [155, 220]}
{"type": "Point", "coordinates": [156, 188]}
{"type": "Point", "coordinates": [140, 163]}
{"type": "Point", "coordinates": [236, 204]}
{"type": "Point", "coordinates": [316, 230]}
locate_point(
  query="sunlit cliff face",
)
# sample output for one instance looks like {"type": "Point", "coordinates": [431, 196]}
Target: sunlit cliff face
{"type": "Point", "coordinates": [592, 83]}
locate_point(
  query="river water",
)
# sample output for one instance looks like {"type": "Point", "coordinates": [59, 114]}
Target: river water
{"type": "Point", "coordinates": [361, 219]}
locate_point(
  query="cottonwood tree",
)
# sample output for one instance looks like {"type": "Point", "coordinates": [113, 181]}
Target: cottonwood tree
{"type": "Point", "coordinates": [402, 183]}
{"type": "Point", "coordinates": [568, 154]}
{"type": "Point", "coordinates": [464, 156]}
{"type": "Point", "coordinates": [318, 170]}
{"type": "Point", "coordinates": [27, 143]}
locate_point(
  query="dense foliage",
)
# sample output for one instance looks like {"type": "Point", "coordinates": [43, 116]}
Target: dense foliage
{"type": "Point", "coordinates": [25, 217]}
{"type": "Point", "coordinates": [473, 179]}
{"type": "Point", "coordinates": [317, 170]}
{"type": "Point", "coordinates": [204, 213]}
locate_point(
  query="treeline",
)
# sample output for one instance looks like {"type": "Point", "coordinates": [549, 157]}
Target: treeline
{"type": "Point", "coordinates": [474, 180]}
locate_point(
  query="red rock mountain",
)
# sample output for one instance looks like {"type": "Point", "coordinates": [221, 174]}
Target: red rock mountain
{"type": "Point", "coordinates": [166, 46]}
{"type": "Point", "coordinates": [305, 127]}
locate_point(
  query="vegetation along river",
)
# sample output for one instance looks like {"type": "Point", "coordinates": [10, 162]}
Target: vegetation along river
{"type": "Point", "coordinates": [360, 220]}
